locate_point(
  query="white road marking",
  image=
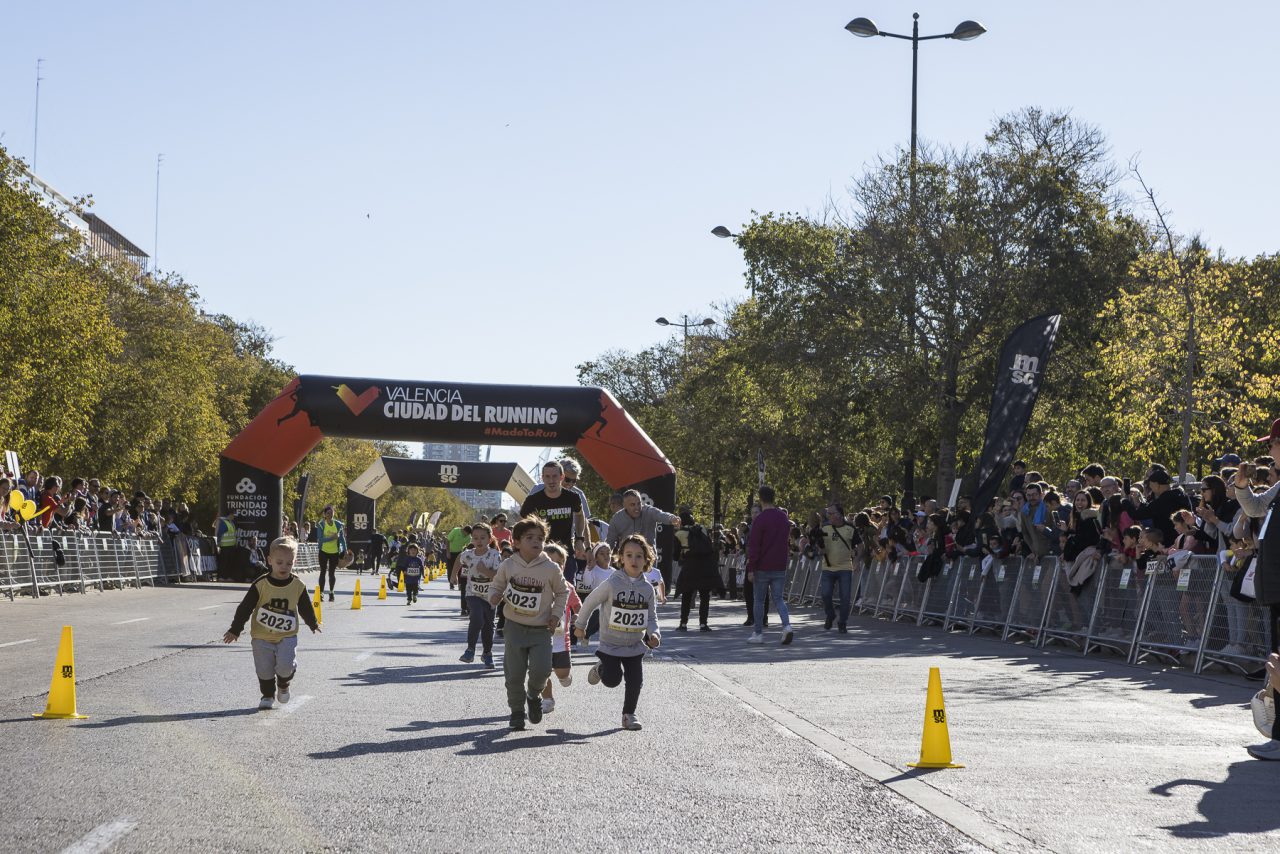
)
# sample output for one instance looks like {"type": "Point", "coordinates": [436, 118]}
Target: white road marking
{"type": "Point", "coordinates": [101, 837]}
{"type": "Point", "coordinates": [134, 620]}
{"type": "Point", "coordinates": [364, 656]}
{"type": "Point", "coordinates": [210, 607]}
{"type": "Point", "coordinates": [287, 709]}
{"type": "Point", "coordinates": [959, 815]}
{"type": "Point", "coordinates": [16, 643]}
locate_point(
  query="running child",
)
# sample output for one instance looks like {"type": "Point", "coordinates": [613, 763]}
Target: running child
{"type": "Point", "coordinates": [411, 567]}
{"type": "Point", "coordinates": [560, 662]}
{"type": "Point", "coordinates": [276, 601]}
{"type": "Point", "coordinates": [589, 579]}
{"type": "Point", "coordinates": [476, 567]}
{"type": "Point", "coordinates": [628, 625]}
{"type": "Point", "coordinates": [653, 575]}
{"type": "Point", "coordinates": [533, 593]}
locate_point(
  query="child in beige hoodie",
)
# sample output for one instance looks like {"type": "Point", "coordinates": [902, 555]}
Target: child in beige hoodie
{"type": "Point", "coordinates": [534, 593]}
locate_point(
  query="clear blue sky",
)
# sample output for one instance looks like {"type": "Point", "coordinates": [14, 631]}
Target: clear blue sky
{"type": "Point", "coordinates": [420, 189]}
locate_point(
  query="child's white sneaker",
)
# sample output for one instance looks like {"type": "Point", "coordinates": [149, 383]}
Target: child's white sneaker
{"type": "Point", "coordinates": [266, 703]}
{"type": "Point", "coordinates": [566, 680]}
{"type": "Point", "coordinates": [548, 705]}
{"type": "Point", "coordinates": [283, 696]}
{"type": "Point", "coordinates": [593, 675]}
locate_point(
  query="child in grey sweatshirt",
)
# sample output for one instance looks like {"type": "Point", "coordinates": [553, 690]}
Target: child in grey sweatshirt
{"type": "Point", "coordinates": [628, 625]}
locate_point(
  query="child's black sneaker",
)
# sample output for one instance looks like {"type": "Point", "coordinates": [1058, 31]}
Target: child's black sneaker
{"type": "Point", "coordinates": [517, 721]}
{"type": "Point", "coordinates": [535, 708]}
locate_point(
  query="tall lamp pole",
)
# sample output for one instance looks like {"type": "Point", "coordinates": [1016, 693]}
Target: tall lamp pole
{"type": "Point", "coordinates": [686, 325]}
{"type": "Point", "coordinates": [721, 231]}
{"type": "Point", "coordinates": [964, 31]}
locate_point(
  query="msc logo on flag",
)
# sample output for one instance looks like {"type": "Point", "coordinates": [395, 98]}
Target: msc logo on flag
{"type": "Point", "coordinates": [246, 486]}
{"type": "Point", "coordinates": [360, 520]}
{"type": "Point", "coordinates": [357, 403]}
{"type": "Point", "coordinates": [448, 474]}
{"type": "Point", "coordinates": [1025, 369]}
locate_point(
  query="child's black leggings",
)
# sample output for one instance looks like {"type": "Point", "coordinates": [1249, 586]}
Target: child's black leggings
{"type": "Point", "coordinates": [612, 670]}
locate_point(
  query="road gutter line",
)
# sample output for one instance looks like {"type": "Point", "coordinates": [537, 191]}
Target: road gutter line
{"type": "Point", "coordinates": [972, 823]}
{"type": "Point", "coordinates": [101, 837]}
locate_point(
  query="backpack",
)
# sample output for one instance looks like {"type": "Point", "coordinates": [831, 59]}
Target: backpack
{"type": "Point", "coordinates": [699, 543]}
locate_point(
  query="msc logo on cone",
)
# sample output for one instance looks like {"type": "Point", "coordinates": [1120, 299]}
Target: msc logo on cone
{"type": "Point", "coordinates": [245, 486]}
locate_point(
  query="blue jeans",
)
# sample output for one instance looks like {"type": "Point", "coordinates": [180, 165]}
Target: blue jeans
{"type": "Point", "coordinates": [773, 582]}
{"type": "Point", "coordinates": [830, 578]}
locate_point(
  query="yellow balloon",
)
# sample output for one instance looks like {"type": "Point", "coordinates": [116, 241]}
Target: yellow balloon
{"type": "Point", "coordinates": [28, 510]}
{"type": "Point", "coordinates": [16, 498]}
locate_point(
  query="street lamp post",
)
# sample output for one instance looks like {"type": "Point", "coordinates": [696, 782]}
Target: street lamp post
{"type": "Point", "coordinates": [721, 231]}
{"type": "Point", "coordinates": [686, 325]}
{"type": "Point", "coordinates": [964, 31]}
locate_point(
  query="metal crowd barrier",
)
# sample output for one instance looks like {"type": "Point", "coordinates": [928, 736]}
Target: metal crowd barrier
{"type": "Point", "coordinates": [1183, 616]}
{"type": "Point", "coordinates": [63, 561]}
{"type": "Point", "coordinates": [937, 597]}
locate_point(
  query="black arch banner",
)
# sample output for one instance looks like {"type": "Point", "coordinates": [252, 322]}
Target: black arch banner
{"type": "Point", "coordinates": [312, 407]}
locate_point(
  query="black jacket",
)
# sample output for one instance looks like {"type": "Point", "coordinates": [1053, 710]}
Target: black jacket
{"type": "Point", "coordinates": [1160, 511]}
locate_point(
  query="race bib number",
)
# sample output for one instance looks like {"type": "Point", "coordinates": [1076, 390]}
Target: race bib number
{"type": "Point", "coordinates": [274, 621]}
{"type": "Point", "coordinates": [412, 572]}
{"type": "Point", "coordinates": [628, 619]}
{"type": "Point", "coordinates": [524, 602]}
{"type": "Point", "coordinates": [478, 587]}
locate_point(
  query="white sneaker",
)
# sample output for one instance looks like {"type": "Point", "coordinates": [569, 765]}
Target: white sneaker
{"type": "Point", "coordinates": [756, 638]}
{"type": "Point", "coordinates": [282, 696]}
{"type": "Point", "coordinates": [266, 702]}
{"type": "Point", "coordinates": [1268, 750]}
{"type": "Point", "coordinates": [593, 675]}
{"type": "Point", "coordinates": [566, 680]}
{"type": "Point", "coordinates": [548, 705]}
{"type": "Point", "coordinates": [631, 722]}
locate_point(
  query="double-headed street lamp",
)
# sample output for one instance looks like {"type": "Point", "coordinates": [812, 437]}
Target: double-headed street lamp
{"type": "Point", "coordinates": [866, 28]}
{"type": "Point", "coordinates": [686, 325]}
{"type": "Point", "coordinates": [964, 31]}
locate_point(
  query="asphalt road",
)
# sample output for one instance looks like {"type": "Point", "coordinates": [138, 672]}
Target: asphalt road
{"type": "Point", "coordinates": [389, 742]}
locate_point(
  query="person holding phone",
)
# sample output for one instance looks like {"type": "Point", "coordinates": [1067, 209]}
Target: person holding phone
{"type": "Point", "coordinates": [1267, 568]}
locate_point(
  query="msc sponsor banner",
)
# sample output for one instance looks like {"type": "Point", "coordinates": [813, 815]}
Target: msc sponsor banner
{"type": "Point", "coordinates": [387, 472]}
{"type": "Point", "coordinates": [255, 496]}
{"type": "Point", "coordinates": [465, 412]}
{"type": "Point", "coordinates": [1019, 375]}
{"type": "Point", "coordinates": [361, 517]}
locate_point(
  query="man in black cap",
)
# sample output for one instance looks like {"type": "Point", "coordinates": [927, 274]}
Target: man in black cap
{"type": "Point", "coordinates": [1226, 461]}
{"type": "Point", "coordinates": [1165, 500]}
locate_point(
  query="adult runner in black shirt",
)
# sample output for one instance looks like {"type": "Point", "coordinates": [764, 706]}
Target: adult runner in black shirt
{"type": "Point", "coordinates": [557, 506]}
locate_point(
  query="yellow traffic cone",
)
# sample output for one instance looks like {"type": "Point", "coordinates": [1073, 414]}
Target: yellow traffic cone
{"type": "Point", "coordinates": [935, 745]}
{"type": "Point", "coordinates": [62, 687]}
{"type": "Point", "coordinates": [382, 587]}
{"type": "Point", "coordinates": [400, 586]}
{"type": "Point", "coordinates": [355, 600]}
{"type": "Point", "coordinates": [315, 600]}
{"type": "Point", "coordinates": [316, 606]}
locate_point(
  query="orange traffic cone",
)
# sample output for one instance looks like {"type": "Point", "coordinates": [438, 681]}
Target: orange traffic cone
{"type": "Point", "coordinates": [935, 744]}
{"type": "Point", "coordinates": [62, 687]}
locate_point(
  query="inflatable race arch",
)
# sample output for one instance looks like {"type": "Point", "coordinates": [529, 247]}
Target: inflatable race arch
{"type": "Point", "coordinates": [310, 407]}
{"type": "Point", "coordinates": [386, 472]}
